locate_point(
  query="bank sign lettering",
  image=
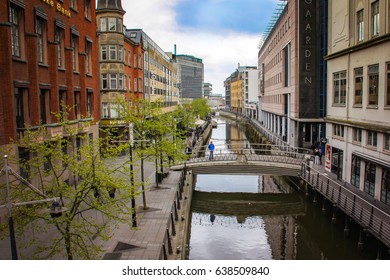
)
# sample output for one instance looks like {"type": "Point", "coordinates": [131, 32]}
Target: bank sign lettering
{"type": "Point", "coordinates": [59, 7]}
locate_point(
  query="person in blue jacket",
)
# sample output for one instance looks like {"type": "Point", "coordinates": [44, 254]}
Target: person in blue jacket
{"type": "Point", "coordinates": [211, 148]}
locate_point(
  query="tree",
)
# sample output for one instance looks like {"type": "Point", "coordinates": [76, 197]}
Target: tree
{"type": "Point", "coordinates": [93, 190]}
{"type": "Point", "coordinates": [200, 108]}
{"type": "Point", "coordinates": [153, 130]}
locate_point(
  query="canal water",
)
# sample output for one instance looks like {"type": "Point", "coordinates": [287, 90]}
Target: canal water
{"type": "Point", "coordinates": [254, 217]}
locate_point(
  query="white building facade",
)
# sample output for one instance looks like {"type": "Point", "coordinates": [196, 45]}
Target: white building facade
{"type": "Point", "coordinates": [358, 99]}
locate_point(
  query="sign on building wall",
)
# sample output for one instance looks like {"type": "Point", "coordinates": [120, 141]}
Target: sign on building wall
{"type": "Point", "coordinates": [328, 156]}
{"type": "Point", "coordinates": [309, 51]}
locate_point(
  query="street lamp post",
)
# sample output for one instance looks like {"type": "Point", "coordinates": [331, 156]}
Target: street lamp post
{"type": "Point", "coordinates": [10, 218]}
{"type": "Point", "coordinates": [133, 211]}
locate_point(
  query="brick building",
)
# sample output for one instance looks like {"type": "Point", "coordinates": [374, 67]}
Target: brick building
{"type": "Point", "coordinates": [48, 55]}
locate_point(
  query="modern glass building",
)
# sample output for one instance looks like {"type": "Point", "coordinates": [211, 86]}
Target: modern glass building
{"type": "Point", "coordinates": [190, 72]}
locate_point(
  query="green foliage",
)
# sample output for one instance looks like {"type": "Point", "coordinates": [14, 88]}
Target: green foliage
{"type": "Point", "coordinates": [200, 108]}
{"type": "Point", "coordinates": [72, 169]}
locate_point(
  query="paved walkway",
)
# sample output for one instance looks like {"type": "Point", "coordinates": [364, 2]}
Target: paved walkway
{"type": "Point", "coordinates": [145, 242]}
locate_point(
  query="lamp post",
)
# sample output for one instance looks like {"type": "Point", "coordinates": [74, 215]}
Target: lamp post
{"type": "Point", "coordinates": [9, 207]}
{"type": "Point", "coordinates": [133, 205]}
{"type": "Point", "coordinates": [57, 210]}
{"type": "Point", "coordinates": [133, 211]}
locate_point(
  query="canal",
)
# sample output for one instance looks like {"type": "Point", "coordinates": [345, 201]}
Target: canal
{"type": "Point", "coordinates": [255, 217]}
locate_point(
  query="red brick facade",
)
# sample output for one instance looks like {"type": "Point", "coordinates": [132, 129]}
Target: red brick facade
{"type": "Point", "coordinates": [39, 45]}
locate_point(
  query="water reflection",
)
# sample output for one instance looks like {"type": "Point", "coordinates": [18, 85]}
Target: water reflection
{"type": "Point", "coordinates": [228, 239]}
{"type": "Point", "coordinates": [262, 218]}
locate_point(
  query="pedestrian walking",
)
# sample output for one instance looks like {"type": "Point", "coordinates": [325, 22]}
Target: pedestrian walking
{"type": "Point", "coordinates": [317, 156]}
{"type": "Point", "coordinates": [211, 148]}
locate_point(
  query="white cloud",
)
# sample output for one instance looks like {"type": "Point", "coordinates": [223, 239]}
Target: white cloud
{"type": "Point", "coordinates": [221, 52]}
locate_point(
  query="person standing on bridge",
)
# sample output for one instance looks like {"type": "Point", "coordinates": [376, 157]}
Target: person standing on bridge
{"type": "Point", "coordinates": [211, 148]}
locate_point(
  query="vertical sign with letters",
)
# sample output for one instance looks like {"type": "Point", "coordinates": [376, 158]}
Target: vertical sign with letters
{"type": "Point", "coordinates": [309, 51]}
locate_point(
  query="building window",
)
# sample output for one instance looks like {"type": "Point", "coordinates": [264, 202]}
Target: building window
{"type": "Point", "coordinates": [88, 58]}
{"type": "Point", "coordinates": [114, 113]}
{"type": "Point", "coordinates": [287, 65]}
{"type": "Point", "coordinates": [387, 101]}
{"type": "Point", "coordinates": [375, 18]}
{"type": "Point", "coordinates": [103, 24]}
{"type": "Point", "coordinates": [355, 173]}
{"type": "Point", "coordinates": [360, 25]}
{"type": "Point", "coordinates": [89, 102]}
{"type": "Point", "coordinates": [75, 47]}
{"type": "Point", "coordinates": [337, 162]}
{"type": "Point", "coordinates": [62, 102]}
{"type": "Point", "coordinates": [357, 135]}
{"type": "Point", "coordinates": [40, 29]}
{"type": "Point", "coordinates": [386, 142]}
{"type": "Point", "coordinates": [129, 59]}
{"type": "Point", "coordinates": [15, 15]}
{"type": "Point", "coordinates": [340, 87]}
{"type": "Point", "coordinates": [338, 130]}
{"type": "Point", "coordinates": [372, 138]}
{"type": "Point", "coordinates": [88, 9]}
{"type": "Point", "coordinates": [369, 178]}
{"type": "Point", "coordinates": [73, 4]}
{"type": "Point", "coordinates": [105, 110]}
{"type": "Point", "coordinates": [385, 193]}
{"type": "Point", "coordinates": [103, 52]}
{"type": "Point", "coordinates": [104, 81]}
{"type": "Point", "coordinates": [77, 105]}
{"type": "Point", "coordinates": [112, 24]}
{"type": "Point", "coordinates": [113, 81]}
{"type": "Point", "coordinates": [21, 107]}
{"type": "Point", "coordinates": [140, 84]}
{"type": "Point", "coordinates": [358, 86]}
{"type": "Point", "coordinates": [373, 80]}
{"type": "Point", "coordinates": [113, 51]}
{"type": "Point", "coordinates": [44, 102]}
{"type": "Point", "coordinates": [135, 85]}
{"type": "Point", "coordinates": [120, 53]}
{"type": "Point", "coordinates": [59, 38]}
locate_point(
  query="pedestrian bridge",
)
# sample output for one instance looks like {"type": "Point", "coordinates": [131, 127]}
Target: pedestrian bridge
{"type": "Point", "coordinates": [268, 160]}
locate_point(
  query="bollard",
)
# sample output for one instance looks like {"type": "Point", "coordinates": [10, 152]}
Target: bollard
{"type": "Point", "coordinates": [179, 193]}
{"type": "Point", "coordinates": [178, 200]}
{"type": "Point", "coordinates": [170, 250]}
{"type": "Point", "coordinates": [164, 252]}
{"type": "Point", "coordinates": [173, 225]}
{"type": "Point", "coordinates": [175, 208]}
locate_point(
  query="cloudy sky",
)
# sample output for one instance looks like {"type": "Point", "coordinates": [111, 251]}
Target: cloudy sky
{"type": "Point", "coordinates": [221, 32]}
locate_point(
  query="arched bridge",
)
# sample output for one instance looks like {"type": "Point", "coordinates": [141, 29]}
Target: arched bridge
{"type": "Point", "coordinates": [267, 160]}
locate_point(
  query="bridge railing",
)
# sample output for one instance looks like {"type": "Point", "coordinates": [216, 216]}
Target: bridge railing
{"type": "Point", "coordinates": [361, 210]}
{"type": "Point", "coordinates": [269, 154]}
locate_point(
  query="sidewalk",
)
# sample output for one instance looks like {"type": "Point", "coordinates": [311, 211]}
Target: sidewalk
{"type": "Point", "coordinates": [145, 242]}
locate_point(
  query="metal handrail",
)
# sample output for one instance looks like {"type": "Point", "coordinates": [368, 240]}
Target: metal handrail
{"type": "Point", "coordinates": [369, 215]}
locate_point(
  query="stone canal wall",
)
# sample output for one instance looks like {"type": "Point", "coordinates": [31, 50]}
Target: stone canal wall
{"type": "Point", "coordinates": [175, 244]}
